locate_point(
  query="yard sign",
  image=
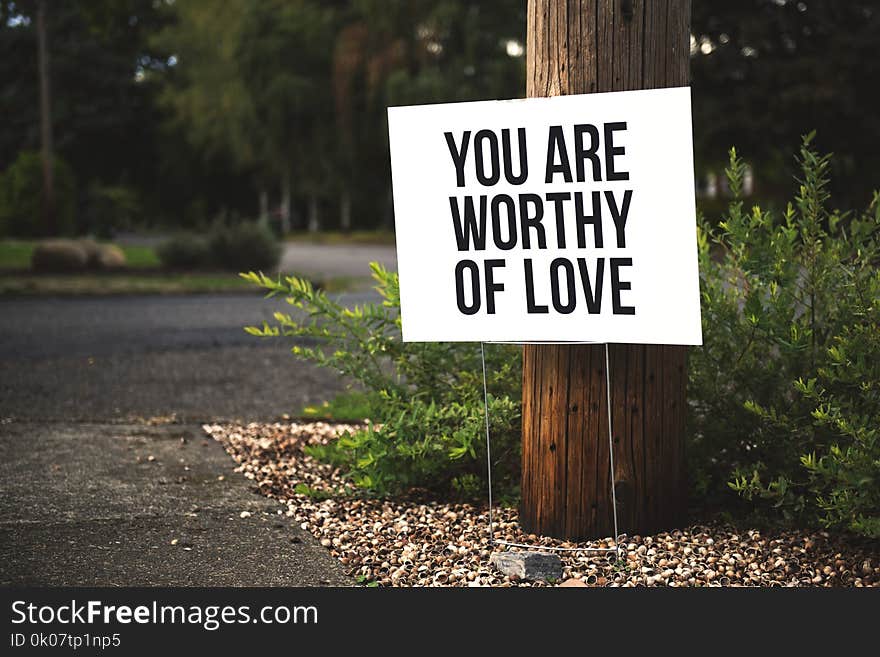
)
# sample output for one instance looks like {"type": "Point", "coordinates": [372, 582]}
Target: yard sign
{"type": "Point", "coordinates": [565, 219]}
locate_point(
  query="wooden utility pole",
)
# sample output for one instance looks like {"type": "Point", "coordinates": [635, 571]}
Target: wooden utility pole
{"type": "Point", "coordinates": [48, 205]}
{"type": "Point", "coordinates": [575, 47]}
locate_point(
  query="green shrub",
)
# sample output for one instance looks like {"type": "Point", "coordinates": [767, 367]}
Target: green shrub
{"type": "Point", "coordinates": [111, 208]}
{"type": "Point", "coordinates": [428, 430]}
{"type": "Point", "coordinates": [244, 246]}
{"type": "Point", "coordinates": [59, 256]}
{"type": "Point", "coordinates": [21, 197]}
{"type": "Point", "coordinates": [785, 391]}
{"type": "Point", "coordinates": [184, 251]}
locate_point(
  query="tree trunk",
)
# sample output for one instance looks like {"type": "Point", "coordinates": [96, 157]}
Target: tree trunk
{"type": "Point", "coordinates": [584, 46]}
{"type": "Point", "coordinates": [314, 214]}
{"type": "Point", "coordinates": [285, 204]}
{"type": "Point", "coordinates": [345, 212]}
{"type": "Point", "coordinates": [264, 205]}
{"type": "Point", "coordinates": [50, 224]}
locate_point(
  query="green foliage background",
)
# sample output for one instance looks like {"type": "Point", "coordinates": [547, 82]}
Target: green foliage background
{"type": "Point", "coordinates": [195, 108]}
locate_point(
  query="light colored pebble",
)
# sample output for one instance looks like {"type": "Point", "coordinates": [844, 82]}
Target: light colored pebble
{"type": "Point", "coordinates": [404, 543]}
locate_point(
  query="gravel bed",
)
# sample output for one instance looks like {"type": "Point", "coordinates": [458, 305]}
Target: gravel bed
{"type": "Point", "coordinates": [423, 543]}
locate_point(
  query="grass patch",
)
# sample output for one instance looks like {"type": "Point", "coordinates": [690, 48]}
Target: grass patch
{"type": "Point", "coordinates": [141, 257]}
{"type": "Point", "coordinates": [16, 254]}
{"type": "Point", "coordinates": [353, 406]}
{"type": "Point", "coordinates": [381, 237]}
{"type": "Point", "coordinates": [145, 282]}
{"type": "Point", "coordinates": [101, 284]}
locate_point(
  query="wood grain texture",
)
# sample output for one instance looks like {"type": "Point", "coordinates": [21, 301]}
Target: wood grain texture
{"type": "Point", "coordinates": [585, 46]}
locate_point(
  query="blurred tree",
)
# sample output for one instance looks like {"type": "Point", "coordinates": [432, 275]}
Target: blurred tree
{"type": "Point", "coordinates": [284, 54]}
{"type": "Point", "coordinates": [194, 106]}
{"type": "Point", "coordinates": [370, 45]}
{"type": "Point", "coordinates": [395, 52]}
{"type": "Point", "coordinates": [253, 87]}
{"type": "Point", "coordinates": [103, 118]}
{"type": "Point", "coordinates": [205, 93]}
{"type": "Point", "coordinates": [766, 72]}
{"type": "Point", "coordinates": [46, 150]}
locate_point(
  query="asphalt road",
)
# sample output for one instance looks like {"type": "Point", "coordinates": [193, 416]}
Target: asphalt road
{"type": "Point", "coordinates": [125, 358]}
{"type": "Point", "coordinates": [335, 259]}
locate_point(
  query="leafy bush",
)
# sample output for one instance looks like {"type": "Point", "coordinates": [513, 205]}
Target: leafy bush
{"type": "Point", "coordinates": [244, 246]}
{"type": "Point", "coordinates": [184, 251]}
{"type": "Point", "coordinates": [21, 197]}
{"type": "Point", "coordinates": [785, 391]}
{"type": "Point", "coordinates": [429, 428]}
{"type": "Point", "coordinates": [59, 256]}
{"type": "Point", "coordinates": [111, 208]}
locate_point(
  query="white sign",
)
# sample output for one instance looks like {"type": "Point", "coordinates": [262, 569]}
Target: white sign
{"type": "Point", "coordinates": [566, 219]}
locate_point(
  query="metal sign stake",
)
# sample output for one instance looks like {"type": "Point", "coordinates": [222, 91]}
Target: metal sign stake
{"type": "Point", "coordinates": [492, 541]}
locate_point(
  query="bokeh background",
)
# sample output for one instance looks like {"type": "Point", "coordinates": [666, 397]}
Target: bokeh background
{"type": "Point", "coordinates": [167, 115]}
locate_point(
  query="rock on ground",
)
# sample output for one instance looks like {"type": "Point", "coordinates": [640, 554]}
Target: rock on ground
{"type": "Point", "coordinates": [528, 565]}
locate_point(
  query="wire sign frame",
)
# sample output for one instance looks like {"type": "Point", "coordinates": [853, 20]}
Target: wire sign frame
{"type": "Point", "coordinates": [492, 541]}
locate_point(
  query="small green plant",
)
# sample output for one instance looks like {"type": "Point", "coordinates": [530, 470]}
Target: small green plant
{"type": "Point", "coordinates": [427, 426]}
{"type": "Point", "coordinates": [318, 493]}
{"type": "Point", "coordinates": [621, 566]}
{"type": "Point", "coordinates": [785, 391]}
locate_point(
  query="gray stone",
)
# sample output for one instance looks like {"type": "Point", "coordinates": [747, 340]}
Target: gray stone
{"type": "Point", "coordinates": [528, 565]}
